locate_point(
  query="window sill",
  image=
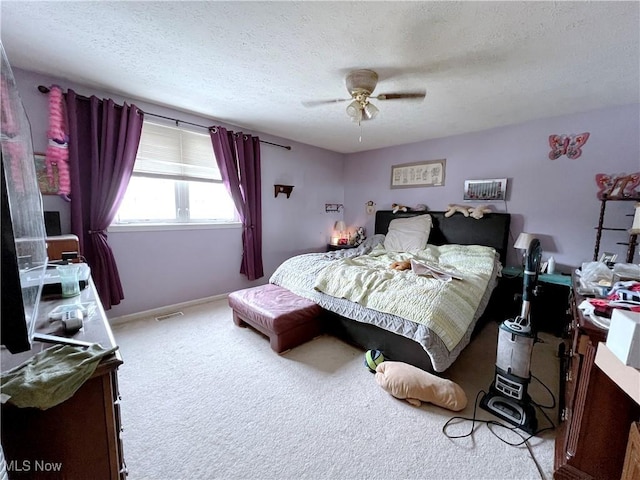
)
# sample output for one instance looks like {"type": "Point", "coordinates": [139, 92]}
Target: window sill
{"type": "Point", "coordinates": [154, 227]}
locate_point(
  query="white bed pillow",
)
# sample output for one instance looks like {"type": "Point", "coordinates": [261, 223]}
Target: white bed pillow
{"type": "Point", "coordinates": [407, 234]}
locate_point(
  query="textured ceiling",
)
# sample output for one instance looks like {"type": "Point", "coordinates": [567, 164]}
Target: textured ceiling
{"type": "Point", "coordinates": [252, 64]}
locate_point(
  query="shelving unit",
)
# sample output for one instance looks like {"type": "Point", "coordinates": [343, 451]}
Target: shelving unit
{"type": "Point", "coordinates": [633, 239]}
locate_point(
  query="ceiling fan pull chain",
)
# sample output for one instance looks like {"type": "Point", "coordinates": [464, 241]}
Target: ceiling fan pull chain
{"type": "Point", "coordinates": [360, 137]}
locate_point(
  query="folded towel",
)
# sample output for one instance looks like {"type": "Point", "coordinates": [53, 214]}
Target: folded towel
{"type": "Point", "coordinates": [51, 376]}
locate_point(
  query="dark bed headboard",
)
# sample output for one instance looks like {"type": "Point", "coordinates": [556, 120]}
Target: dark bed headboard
{"type": "Point", "coordinates": [492, 230]}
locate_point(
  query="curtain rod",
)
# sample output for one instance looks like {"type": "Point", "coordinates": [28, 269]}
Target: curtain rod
{"type": "Point", "coordinates": [44, 89]}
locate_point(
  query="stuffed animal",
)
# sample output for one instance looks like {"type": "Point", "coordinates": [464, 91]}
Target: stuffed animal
{"type": "Point", "coordinates": [396, 207]}
{"type": "Point", "coordinates": [403, 265]}
{"type": "Point", "coordinates": [57, 154]}
{"type": "Point", "coordinates": [421, 207]}
{"type": "Point", "coordinates": [451, 209]}
{"type": "Point", "coordinates": [409, 383]}
{"type": "Point", "coordinates": [359, 237]}
{"type": "Point", "coordinates": [479, 211]}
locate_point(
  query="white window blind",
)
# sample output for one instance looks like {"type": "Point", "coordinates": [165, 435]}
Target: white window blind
{"type": "Point", "coordinates": [175, 153]}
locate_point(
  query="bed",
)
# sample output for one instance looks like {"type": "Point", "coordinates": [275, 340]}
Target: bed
{"type": "Point", "coordinates": [409, 317]}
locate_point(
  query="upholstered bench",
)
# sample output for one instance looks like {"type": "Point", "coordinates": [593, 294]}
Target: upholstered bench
{"type": "Point", "coordinates": [287, 319]}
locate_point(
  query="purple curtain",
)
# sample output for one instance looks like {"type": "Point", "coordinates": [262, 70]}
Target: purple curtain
{"type": "Point", "coordinates": [103, 143]}
{"type": "Point", "coordinates": [238, 158]}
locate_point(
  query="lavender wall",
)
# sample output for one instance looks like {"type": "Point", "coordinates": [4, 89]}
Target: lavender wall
{"type": "Point", "coordinates": [555, 199]}
{"type": "Point", "coordinates": [160, 268]}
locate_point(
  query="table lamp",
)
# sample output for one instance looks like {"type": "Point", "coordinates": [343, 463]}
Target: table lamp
{"type": "Point", "coordinates": [634, 231]}
{"type": "Point", "coordinates": [635, 228]}
{"type": "Point", "coordinates": [338, 232]}
{"type": "Point", "coordinates": [522, 243]}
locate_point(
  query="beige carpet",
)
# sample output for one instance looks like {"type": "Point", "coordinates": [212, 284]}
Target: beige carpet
{"type": "Point", "coordinates": [204, 399]}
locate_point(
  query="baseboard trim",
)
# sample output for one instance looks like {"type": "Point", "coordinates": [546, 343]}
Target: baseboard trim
{"type": "Point", "coordinates": [156, 312]}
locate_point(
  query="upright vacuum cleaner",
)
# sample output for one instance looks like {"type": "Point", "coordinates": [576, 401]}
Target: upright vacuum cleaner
{"type": "Point", "coordinates": [508, 398]}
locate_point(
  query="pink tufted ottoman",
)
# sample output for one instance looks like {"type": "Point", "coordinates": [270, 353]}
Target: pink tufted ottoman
{"type": "Point", "coordinates": [287, 319]}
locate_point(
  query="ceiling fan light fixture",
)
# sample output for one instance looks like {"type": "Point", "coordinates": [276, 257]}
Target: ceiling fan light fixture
{"type": "Point", "coordinates": [361, 85]}
{"type": "Point", "coordinates": [358, 117]}
{"type": "Point", "coordinates": [353, 108]}
{"type": "Point", "coordinates": [369, 111]}
{"type": "Point", "coordinates": [360, 81]}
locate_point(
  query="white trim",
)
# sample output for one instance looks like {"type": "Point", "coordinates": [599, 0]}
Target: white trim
{"type": "Point", "coordinates": [150, 227]}
{"type": "Point", "coordinates": [156, 312]}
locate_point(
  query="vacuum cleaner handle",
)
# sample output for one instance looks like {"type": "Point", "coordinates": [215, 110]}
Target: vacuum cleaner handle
{"type": "Point", "coordinates": [531, 268]}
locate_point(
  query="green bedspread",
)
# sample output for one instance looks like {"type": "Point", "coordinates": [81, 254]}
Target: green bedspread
{"type": "Point", "coordinates": [447, 308]}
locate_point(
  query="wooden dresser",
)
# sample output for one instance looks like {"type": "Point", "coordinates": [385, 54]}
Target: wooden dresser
{"type": "Point", "coordinates": [597, 414]}
{"type": "Point", "coordinates": [631, 470]}
{"type": "Point", "coordinates": [79, 438]}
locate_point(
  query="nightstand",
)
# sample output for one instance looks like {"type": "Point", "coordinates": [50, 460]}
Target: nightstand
{"type": "Point", "coordinates": [549, 308]}
{"type": "Point", "coordinates": [331, 247]}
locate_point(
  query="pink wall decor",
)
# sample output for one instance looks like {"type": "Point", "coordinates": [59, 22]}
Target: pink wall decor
{"type": "Point", "coordinates": [569, 145]}
{"type": "Point", "coordinates": [617, 186]}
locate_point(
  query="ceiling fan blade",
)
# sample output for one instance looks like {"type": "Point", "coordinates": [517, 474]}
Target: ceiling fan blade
{"type": "Point", "coordinates": [400, 96]}
{"type": "Point", "coordinates": [315, 103]}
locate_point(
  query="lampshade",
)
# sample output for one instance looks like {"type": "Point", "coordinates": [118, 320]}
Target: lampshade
{"type": "Point", "coordinates": [340, 226]}
{"type": "Point", "coordinates": [523, 241]}
{"type": "Point", "coordinates": [635, 228]}
{"type": "Point", "coordinates": [353, 108]}
{"type": "Point", "coordinates": [369, 111]}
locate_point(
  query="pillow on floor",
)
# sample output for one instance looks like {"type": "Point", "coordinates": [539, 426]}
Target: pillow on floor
{"type": "Point", "coordinates": [409, 383]}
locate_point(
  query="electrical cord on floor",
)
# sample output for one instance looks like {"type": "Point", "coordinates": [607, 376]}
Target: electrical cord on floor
{"type": "Point", "coordinates": [493, 423]}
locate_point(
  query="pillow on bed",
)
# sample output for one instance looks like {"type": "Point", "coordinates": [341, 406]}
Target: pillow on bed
{"type": "Point", "coordinates": [406, 234]}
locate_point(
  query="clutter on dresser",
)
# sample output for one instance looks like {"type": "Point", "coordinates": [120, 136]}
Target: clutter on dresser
{"type": "Point", "coordinates": [624, 337]}
{"type": "Point", "coordinates": [607, 289]}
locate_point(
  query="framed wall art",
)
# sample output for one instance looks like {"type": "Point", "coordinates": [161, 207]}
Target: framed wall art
{"type": "Point", "coordinates": [420, 174]}
{"type": "Point", "coordinates": [489, 189]}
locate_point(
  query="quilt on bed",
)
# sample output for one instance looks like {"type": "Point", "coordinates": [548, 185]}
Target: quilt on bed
{"type": "Point", "coordinates": [447, 308]}
{"type": "Point", "coordinates": [305, 275]}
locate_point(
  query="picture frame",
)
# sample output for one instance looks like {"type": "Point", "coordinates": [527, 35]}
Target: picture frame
{"type": "Point", "coordinates": [47, 186]}
{"type": "Point", "coordinates": [429, 173]}
{"type": "Point", "coordinates": [487, 189]}
{"type": "Point", "coordinates": [608, 257]}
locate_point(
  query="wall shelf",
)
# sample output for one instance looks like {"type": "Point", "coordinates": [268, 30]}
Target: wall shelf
{"type": "Point", "coordinates": [286, 189]}
{"type": "Point", "coordinates": [599, 229]}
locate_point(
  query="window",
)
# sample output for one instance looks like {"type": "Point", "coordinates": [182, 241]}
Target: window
{"type": "Point", "coordinates": [175, 180]}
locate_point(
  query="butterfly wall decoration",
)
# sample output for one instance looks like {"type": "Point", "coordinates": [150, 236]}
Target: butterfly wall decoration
{"type": "Point", "coordinates": [569, 145]}
{"type": "Point", "coordinates": [617, 186]}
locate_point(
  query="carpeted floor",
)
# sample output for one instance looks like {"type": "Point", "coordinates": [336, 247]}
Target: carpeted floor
{"type": "Point", "coordinates": [204, 399]}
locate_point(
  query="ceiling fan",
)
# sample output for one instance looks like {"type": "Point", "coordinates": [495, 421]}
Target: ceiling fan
{"type": "Point", "coordinates": [360, 85]}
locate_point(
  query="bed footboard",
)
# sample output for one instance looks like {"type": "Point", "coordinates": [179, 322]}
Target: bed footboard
{"type": "Point", "coordinates": [370, 337]}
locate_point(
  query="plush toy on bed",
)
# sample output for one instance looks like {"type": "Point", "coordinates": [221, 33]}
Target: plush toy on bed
{"type": "Point", "coordinates": [479, 211]}
{"type": "Point", "coordinates": [451, 209]}
{"type": "Point", "coordinates": [396, 207]}
{"type": "Point", "coordinates": [359, 238]}
{"type": "Point", "coordinates": [409, 383]}
{"type": "Point", "coordinates": [401, 265]}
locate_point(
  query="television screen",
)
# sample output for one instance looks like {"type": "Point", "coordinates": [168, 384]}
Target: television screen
{"type": "Point", "coordinates": [24, 253]}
